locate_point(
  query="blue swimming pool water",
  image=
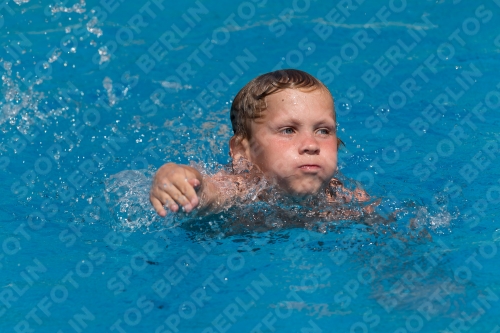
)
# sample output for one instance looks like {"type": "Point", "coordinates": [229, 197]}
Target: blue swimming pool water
{"type": "Point", "coordinates": [96, 95]}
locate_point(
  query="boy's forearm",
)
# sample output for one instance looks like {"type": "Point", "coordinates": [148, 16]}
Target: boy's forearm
{"type": "Point", "coordinates": [220, 190]}
{"type": "Point", "coordinates": [208, 195]}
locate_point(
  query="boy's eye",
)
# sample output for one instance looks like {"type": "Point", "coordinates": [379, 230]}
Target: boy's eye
{"type": "Point", "coordinates": [287, 130]}
{"type": "Point", "coordinates": [324, 131]}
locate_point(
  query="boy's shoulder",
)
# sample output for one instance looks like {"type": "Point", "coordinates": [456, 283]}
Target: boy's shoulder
{"type": "Point", "coordinates": [334, 182]}
{"type": "Point", "coordinates": [336, 190]}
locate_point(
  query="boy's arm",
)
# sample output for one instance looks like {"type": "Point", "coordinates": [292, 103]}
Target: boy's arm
{"type": "Point", "coordinates": [183, 186]}
{"type": "Point", "coordinates": [175, 186]}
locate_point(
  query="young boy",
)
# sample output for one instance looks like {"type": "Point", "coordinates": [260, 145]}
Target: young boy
{"type": "Point", "coordinates": [284, 131]}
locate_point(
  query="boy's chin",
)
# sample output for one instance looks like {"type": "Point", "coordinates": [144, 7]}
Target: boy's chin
{"type": "Point", "coordinates": [303, 190]}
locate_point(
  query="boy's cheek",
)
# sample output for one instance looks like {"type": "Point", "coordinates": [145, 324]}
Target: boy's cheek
{"type": "Point", "coordinates": [258, 150]}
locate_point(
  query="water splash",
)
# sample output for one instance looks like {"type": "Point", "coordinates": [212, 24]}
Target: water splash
{"type": "Point", "coordinates": [55, 55]}
{"type": "Point", "coordinates": [127, 197]}
{"type": "Point", "coordinates": [261, 207]}
{"type": "Point", "coordinates": [174, 85]}
{"type": "Point", "coordinates": [104, 55]}
{"type": "Point", "coordinates": [76, 8]}
{"type": "Point", "coordinates": [107, 83]}
{"type": "Point", "coordinates": [437, 221]}
{"type": "Point", "coordinates": [16, 100]}
{"type": "Point", "coordinates": [91, 27]}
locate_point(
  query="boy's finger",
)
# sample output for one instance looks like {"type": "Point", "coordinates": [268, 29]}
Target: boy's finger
{"type": "Point", "coordinates": [170, 203]}
{"type": "Point", "coordinates": [164, 200]}
{"type": "Point", "coordinates": [187, 188]}
{"type": "Point", "coordinates": [177, 193]}
{"type": "Point", "coordinates": [195, 183]}
{"type": "Point", "coordinates": [158, 206]}
{"type": "Point", "coordinates": [185, 185]}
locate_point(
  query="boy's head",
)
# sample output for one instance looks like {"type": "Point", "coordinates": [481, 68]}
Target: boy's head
{"type": "Point", "coordinates": [250, 102]}
{"type": "Point", "coordinates": [284, 123]}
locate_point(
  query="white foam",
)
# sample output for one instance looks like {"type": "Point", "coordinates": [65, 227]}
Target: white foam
{"type": "Point", "coordinates": [76, 8]}
{"type": "Point", "coordinates": [378, 25]}
{"type": "Point", "coordinates": [105, 56]}
{"type": "Point", "coordinates": [91, 27]}
{"type": "Point", "coordinates": [174, 85]}
{"type": "Point", "coordinates": [127, 197]}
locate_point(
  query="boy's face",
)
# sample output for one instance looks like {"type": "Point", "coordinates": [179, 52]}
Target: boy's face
{"type": "Point", "coordinates": [295, 142]}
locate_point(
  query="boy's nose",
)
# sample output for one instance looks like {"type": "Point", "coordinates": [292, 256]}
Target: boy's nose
{"type": "Point", "coordinates": [309, 145]}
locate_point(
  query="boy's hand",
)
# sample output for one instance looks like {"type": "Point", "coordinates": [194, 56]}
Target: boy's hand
{"type": "Point", "coordinates": [175, 185]}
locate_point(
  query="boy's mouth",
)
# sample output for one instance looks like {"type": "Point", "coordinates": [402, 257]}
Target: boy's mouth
{"type": "Point", "coordinates": [310, 167]}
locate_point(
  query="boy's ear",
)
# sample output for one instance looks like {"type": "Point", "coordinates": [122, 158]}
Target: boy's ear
{"type": "Point", "coordinates": [238, 147]}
